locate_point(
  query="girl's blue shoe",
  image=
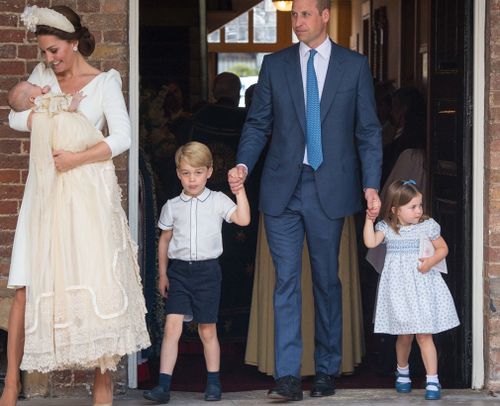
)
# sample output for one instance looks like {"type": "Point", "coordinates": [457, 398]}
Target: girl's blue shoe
{"type": "Point", "coordinates": [432, 394]}
{"type": "Point", "coordinates": [402, 387]}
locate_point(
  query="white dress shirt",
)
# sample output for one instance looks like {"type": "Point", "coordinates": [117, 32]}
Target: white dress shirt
{"type": "Point", "coordinates": [196, 224]}
{"type": "Point", "coordinates": [321, 62]}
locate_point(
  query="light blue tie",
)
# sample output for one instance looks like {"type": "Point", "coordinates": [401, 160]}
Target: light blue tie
{"type": "Point", "coordinates": [313, 119]}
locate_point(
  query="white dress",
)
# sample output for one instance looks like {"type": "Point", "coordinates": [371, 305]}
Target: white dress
{"type": "Point", "coordinates": [408, 301]}
{"type": "Point", "coordinates": [84, 305]}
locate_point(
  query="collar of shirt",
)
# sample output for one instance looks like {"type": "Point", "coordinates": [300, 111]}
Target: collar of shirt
{"type": "Point", "coordinates": [324, 49]}
{"type": "Point", "coordinates": [201, 197]}
{"type": "Point", "coordinates": [320, 64]}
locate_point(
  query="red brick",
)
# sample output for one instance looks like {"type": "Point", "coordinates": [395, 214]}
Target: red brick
{"type": "Point", "coordinates": [12, 67]}
{"type": "Point", "coordinates": [6, 237]}
{"type": "Point", "coordinates": [27, 51]}
{"type": "Point", "coordinates": [107, 21]}
{"type": "Point", "coordinates": [8, 223]}
{"type": "Point", "coordinates": [118, 36]}
{"type": "Point", "coordinates": [7, 82]}
{"type": "Point", "coordinates": [8, 20]}
{"type": "Point", "coordinates": [12, 35]}
{"type": "Point", "coordinates": [11, 191]}
{"type": "Point", "coordinates": [4, 268]}
{"type": "Point", "coordinates": [493, 270]}
{"type": "Point", "coordinates": [10, 147]}
{"type": "Point", "coordinates": [493, 255]}
{"type": "Point", "coordinates": [9, 207]}
{"type": "Point", "coordinates": [7, 51]}
{"type": "Point", "coordinates": [114, 6]}
{"type": "Point", "coordinates": [5, 252]}
{"type": "Point", "coordinates": [14, 161]}
{"type": "Point", "coordinates": [7, 132]}
{"type": "Point", "coordinates": [88, 6]}
{"type": "Point", "coordinates": [10, 176]}
{"type": "Point", "coordinates": [16, 6]}
{"type": "Point", "coordinates": [24, 176]}
{"type": "Point", "coordinates": [70, 3]}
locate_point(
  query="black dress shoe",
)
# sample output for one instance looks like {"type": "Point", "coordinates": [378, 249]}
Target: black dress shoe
{"type": "Point", "coordinates": [157, 394]}
{"type": "Point", "coordinates": [212, 392]}
{"type": "Point", "coordinates": [322, 385]}
{"type": "Point", "coordinates": [287, 388]}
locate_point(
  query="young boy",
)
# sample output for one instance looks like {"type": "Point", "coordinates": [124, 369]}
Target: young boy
{"type": "Point", "coordinates": [191, 243]}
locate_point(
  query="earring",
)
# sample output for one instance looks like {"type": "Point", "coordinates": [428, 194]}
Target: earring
{"type": "Point", "coordinates": [75, 48]}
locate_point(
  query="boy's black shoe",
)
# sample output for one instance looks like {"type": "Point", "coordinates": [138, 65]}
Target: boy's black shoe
{"type": "Point", "coordinates": [212, 392]}
{"type": "Point", "coordinates": [157, 394]}
{"type": "Point", "coordinates": [287, 388]}
{"type": "Point", "coordinates": [322, 385]}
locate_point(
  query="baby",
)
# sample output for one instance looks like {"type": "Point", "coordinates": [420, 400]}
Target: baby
{"type": "Point", "coordinates": [27, 96]}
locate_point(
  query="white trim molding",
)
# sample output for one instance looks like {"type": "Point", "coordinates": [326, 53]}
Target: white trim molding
{"type": "Point", "coordinates": [133, 157]}
{"type": "Point", "coordinates": [478, 196]}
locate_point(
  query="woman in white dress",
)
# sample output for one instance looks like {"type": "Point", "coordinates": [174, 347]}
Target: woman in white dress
{"type": "Point", "coordinates": [83, 301]}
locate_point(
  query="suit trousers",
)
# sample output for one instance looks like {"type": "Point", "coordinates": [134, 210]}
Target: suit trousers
{"type": "Point", "coordinates": [285, 233]}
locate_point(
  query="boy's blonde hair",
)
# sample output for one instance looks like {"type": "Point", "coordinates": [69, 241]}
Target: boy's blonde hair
{"type": "Point", "coordinates": [195, 154]}
{"type": "Point", "coordinates": [400, 192]}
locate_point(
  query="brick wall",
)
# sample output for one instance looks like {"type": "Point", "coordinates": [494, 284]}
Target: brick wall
{"type": "Point", "coordinates": [108, 21]}
{"type": "Point", "coordinates": [492, 192]}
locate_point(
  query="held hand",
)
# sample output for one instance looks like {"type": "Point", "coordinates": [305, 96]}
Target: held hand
{"type": "Point", "coordinates": [236, 178]}
{"type": "Point", "coordinates": [369, 217]}
{"type": "Point", "coordinates": [65, 160]}
{"type": "Point", "coordinates": [425, 265]}
{"type": "Point", "coordinates": [372, 203]}
{"type": "Point", "coordinates": [163, 285]}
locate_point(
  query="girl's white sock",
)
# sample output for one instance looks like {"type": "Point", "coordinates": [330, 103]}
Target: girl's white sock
{"type": "Point", "coordinates": [404, 371]}
{"type": "Point", "coordinates": [433, 379]}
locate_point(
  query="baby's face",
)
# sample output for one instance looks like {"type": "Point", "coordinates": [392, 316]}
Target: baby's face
{"type": "Point", "coordinates": [33, 91]}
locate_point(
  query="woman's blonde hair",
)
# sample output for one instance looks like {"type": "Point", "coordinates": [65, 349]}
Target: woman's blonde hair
{"type": "Point", "coordinates": [195, 154]}
{"type": "Point", "coordinates": [399, 193]}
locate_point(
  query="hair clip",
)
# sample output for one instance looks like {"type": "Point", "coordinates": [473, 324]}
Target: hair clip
{"type": "Point", "coordinates": [409, 182]}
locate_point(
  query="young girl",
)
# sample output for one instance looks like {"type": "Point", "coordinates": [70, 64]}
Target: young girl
{"type": "Point", "coordinates": [413, 298]}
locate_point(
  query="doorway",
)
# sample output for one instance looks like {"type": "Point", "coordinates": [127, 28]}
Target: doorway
{"type": "Point", "coordinates": [448, 61]}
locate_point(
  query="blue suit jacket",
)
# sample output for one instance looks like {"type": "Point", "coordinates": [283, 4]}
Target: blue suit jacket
{"type": "Point", "coordinates": [350, 132]}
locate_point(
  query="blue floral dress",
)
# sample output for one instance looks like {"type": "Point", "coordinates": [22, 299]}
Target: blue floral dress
{"type": "Point", "coordinates": [408, 301]}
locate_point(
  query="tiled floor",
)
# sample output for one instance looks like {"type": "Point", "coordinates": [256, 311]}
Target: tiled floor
{"type": "Point", "coordinates": [343, 397]}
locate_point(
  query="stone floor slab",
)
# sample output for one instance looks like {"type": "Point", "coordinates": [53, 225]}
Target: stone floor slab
{"type": "Point", "coordinates": [351, 397]}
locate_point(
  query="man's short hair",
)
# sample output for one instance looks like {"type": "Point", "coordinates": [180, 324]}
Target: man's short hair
{"type": "Point", "coordinates": [194, 153]}
{"type": "Point", "coordinates": [323, 4]}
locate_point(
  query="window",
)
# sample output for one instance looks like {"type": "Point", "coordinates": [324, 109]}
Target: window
{"type": "Point", "coordinates": [261, 29]}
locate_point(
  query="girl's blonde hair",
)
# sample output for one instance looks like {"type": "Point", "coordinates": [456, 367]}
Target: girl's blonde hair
{"type": "Point", "coordinates": [399, 193]}
{"type": "Point", "coordinates": [195, 154]}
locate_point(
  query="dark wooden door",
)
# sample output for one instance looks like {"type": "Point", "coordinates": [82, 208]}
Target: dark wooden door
{"type": "Point", "coordinates": [450, 161]}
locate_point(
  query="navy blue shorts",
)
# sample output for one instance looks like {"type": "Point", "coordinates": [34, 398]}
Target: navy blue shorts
{"type": "Point", "coordinates": [194, 290]}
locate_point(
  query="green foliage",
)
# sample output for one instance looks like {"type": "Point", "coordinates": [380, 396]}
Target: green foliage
{"type": "Point", "coordinates": [243, 70]}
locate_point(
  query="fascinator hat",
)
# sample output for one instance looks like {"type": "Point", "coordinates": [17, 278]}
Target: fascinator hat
{"type": "Point", "coordinates": [34, 16]}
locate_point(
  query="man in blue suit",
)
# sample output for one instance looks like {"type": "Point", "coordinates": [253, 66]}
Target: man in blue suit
{"type": "Point", "coordinates": [316, 99]}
